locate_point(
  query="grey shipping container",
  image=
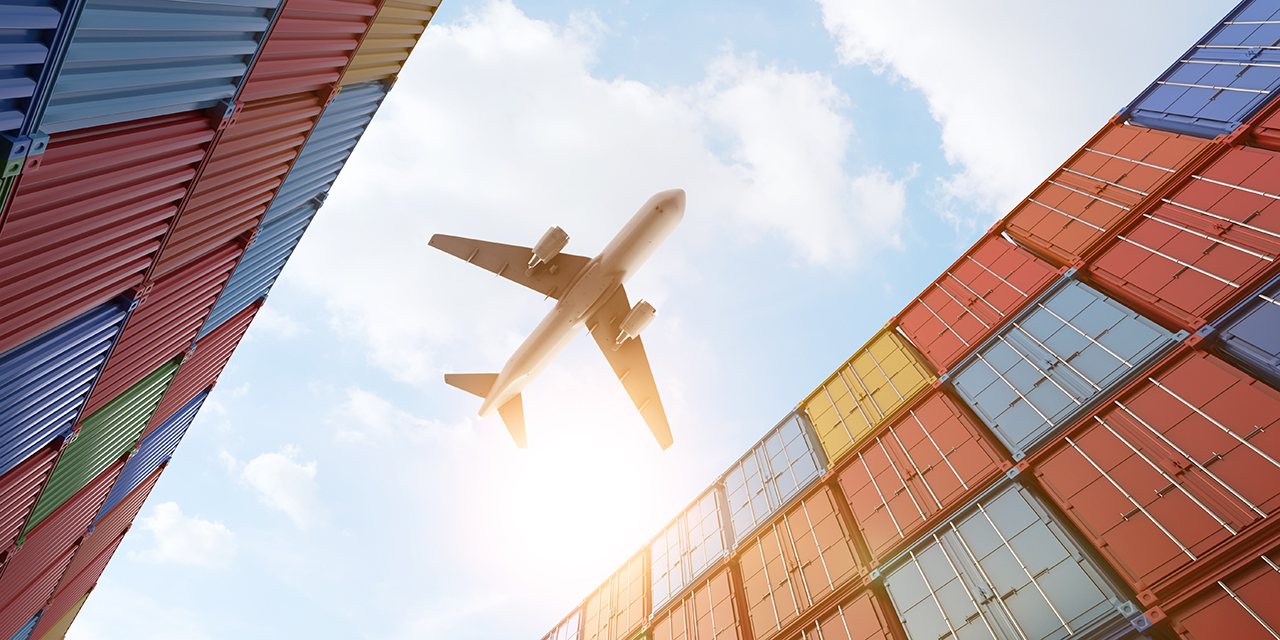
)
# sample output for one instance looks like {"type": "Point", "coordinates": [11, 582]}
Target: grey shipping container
{"type": "Point", "coordinates": [1249, 334]}
{"type": "Point", "coordinates": [688, 546]}
{"type": "Point", "coordinates": [1055, 360]}
{"type": "Point", "coordinates": [779, 467]}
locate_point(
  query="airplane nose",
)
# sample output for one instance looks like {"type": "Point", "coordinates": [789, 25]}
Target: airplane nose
{"type": "Point", "coordinates": [669, 199]}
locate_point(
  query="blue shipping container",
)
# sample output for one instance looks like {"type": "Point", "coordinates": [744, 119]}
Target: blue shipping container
{"type": "Point", "coordinates": [154, 451]}
{"type": "Point", "coordinates": [24, 633]}
{"type": "Point", "coordinates": [1250, 333]}
{"type": "Point", "coordinates": [32, 34]}
{"type": "Point", "coordinates": [1222, 81]}
{"type": "Point", "coordinates": [44, 382]}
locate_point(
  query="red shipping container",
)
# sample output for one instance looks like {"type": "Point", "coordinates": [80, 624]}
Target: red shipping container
{"type": "Point", "coordinates": [63, 602]}
{"type": "Point", "coordinates": [201, 368]}
{"type": "Point", "coordinates": [1185, 460]}
{"type": "Point", "coordinates": [310, 47]}
{"type": "Point", "coordinates": [988, 284]}
{"type": "Point", "coordinates": [19, 610]}
{"type": "Point", "coordinates": [1265, 128]}
{"type": "Point", "coordinates": [1098, 188]}
{"type": "Point", "coordinates": [931, 460]}
{"type": "Point", "coordinates": [1244, 605]}
{"type": "Point", "coordinates": [707, 612]}
{"type": "Point", "coordinates": [1205, 247]}
{"type": "Point", "coordinates": [863, 616]}
{"type": "Point", "coordinates": [164, 323]}
{"type": "Point", "coordinates": [795, 562]}
{"type": "Point", "coordinates": [87, 224]}
{"type": "Point", "coordinates": [620, 607]}
{"type": "Point", "coordinates": [19, 489]}
{"type": "Point", "coordinates": [244, 171]}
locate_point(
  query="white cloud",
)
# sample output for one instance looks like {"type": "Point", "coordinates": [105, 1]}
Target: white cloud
{"type": "Point", "coordinates": [286, 485]}
{"type": "Point", "coordinates": [116, 612]}
{"type": "Point", "coordinates": [185, 539]}
{"type": "Point", "coordinates": [366, 416]}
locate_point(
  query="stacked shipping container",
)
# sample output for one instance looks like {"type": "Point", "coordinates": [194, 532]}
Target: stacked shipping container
{"type": "Point", "coordinates": [1070, 433]}
{"type": "Point", "coordinates": [161, 160]}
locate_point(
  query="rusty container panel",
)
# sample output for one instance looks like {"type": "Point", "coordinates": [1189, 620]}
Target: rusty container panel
{"type": "Point", "coordinates": [310, 46]}
{"type": "Point", "coordinates": [707, 612]}
{"type": "Point", "coordinates": [1240, 606]}
{"type": "Point", "coordinates": [991, 282]}
{"type": "Point", "coordinates": [58, 630]}
{"type": "Point", "coordinates": [569, 629]}
{"type": "Point", "coordinates": [862, 616]}
{"type": "Point", "coordinates": [881, 377]}
{"type": "Point", "coordinates": [20, 487]}
{"type": "Point", "coordinates": [619, 608]}
{"type": "Point", "coordinates": [932, 458]}
{"type": "Point", "coordinates": [86, 225]}
{"type": "Point", "coordinates": [1063, 354]}
{"type": "Point", "coordinates": [779, 467]}
{"type": "Point", "coordinates": [1205, 247]}
{"type": "Point", "coordinates": [688, 546]}
{"type": "Point", "coordinates": [203, 364]}
{"type": "Point", "coordinates": [396, 30]}
{"type": "Point", "coordinates": [251, 159]}
{"type": "Point", "coordinates": [1097, 189]}
{"type": "Point", "coordinates": [794, 563]}
{"type": "Point", "coordinates": [1248, 335]}
{"type": "Point", "coordinates": [164, 323]}
{"type": "Point", "coordinates": [1181, 462]}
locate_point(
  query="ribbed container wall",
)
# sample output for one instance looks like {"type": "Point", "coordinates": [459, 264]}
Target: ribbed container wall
{"type": "Point", "coordinates": [708, 612]}
{"type": "Point", "coordinates": [778, 468]}
{"type": "Point", "coordinates": [20, 488]}
{"type": "Point", "coordinates": [45, 382]}
{"type": "Point", "coordinates": [1247, 334]}
{"type": "Point", "coordinates": [33, 33]}
{"type": "Point", "coordinates": [86, 226]}
{"type": "Point", "coordinates": [688, 546]}
{"type": "Point", "coordinates": [107, 528]}
{"type": "Point", "coordinates": [154, 451]}
{"type": "Point", "coordinates": [58, 630]}
{"type": "Point", "coordinates": [135, 59]}
{"type": "Point", "coordinates": [395, 31]}
{"type": "Point", "coordinates": [25, 631]}
{"type": "Point", "coordinates": [620, 607]}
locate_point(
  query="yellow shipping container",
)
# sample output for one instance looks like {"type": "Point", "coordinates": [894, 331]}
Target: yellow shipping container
{"type": "Point", "coordinates": [396, 30]}
{"type": "Point", "coordinates": [59, 630]}
{"type": "Point", "coordinates": [880, 378]}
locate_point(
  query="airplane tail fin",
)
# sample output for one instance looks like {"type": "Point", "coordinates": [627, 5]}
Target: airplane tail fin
{"type": "Point", "coordinates": [513, 416]}
{"type": "Point", "coordinates": [477, 384]}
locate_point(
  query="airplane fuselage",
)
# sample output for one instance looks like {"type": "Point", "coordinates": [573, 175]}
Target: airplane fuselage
{"type": "Point", "coordinates": [619, 260]}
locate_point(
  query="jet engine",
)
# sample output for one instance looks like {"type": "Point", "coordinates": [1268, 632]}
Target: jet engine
{"type": "Point", "coordinates": [548, 247]}
{"type": "Point", "coordinates": [637, 319]}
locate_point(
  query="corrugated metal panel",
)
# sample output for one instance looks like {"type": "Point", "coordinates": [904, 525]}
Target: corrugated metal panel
{"type": "Point", "coordinates": [620, 607]}
{"type": "Point", "coordinates": [1205, 246]}
{"type": "Point", "coordinates": [87, 224]}
{"type": "Point", "coordinates": [1005, 568]}
{"type": "Point", "coordinates": [247, 166]}
{"type": "Point", "coordinates": [861, 617]}
{"type": "Point", "coordinates": [310, 46]}
{"type": "Point", "coordinates": [990, 282]}
{"type": "Point", "coordinates": [105, 532]}
{"type": "Point", "coordinates": [134, 59]}
{"type": "Point", "coordinates": [202, 366]}
{"type": "Point", "coordinates": [795, 562]}
{"type": "Point", "coordinates": [79, 586]}
{"type": "Point", "coordinates": [58, 630]}
{"type": "Point", "coordinates": [44, 382]}
{"type": "Point", "coordinates": [569, 629]}
{"type": "Point", "coordinates": [1238, 607]}
{"type": "Point", "coordinates": [1220, 82]}
{"type": "Point", "coordinates": [165, 322]}
{"type": "Point", "coordinates": [1097, 189]}
{"type": "Point", "coordinates": [1180, 463]}
{"type": "Point", "coordinates": [688, 546]}
{"type": "Point", "coordinates": [708, 612]}
{"type": "Point", "coordinates": [931, 459]}
{"type": "Point", "coordinates": [779, 467]}
{"type": "Point", "coordinates": [32, 599]}
{"type": "Point", "coordinates": [1248, 333]}
{"type": "Point", "coordinates": [881, 377]}
{"type": "Point", "coordinates": [34, 33]}
{"type": "Point", "coordinates": [104, 436]}
{"type": "Point", "coordinates": [396, 30]}
{"type": "Point", "coordinates": [1067, 351]}
{"type": "Point", "coordinates": [154, 451]}
{"type": "Point", "coordinates": [19, 489]}
{"type": "Point", "coordinates": [24, 633]}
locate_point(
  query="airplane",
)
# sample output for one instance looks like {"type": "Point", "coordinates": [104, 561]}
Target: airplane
{"type": "Point", "coordinates": [587, 291]}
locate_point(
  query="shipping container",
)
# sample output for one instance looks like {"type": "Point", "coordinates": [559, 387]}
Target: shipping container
{"type": "Point", "coordinates": [1204, 247]}
{"type": "Point", "coordinates": [1239, 606]}
{"type": "Point", "coordinates": [709, 611]}
{"type": "Point", "coordinates": [107, 528]}
{"type": "Point", "coordinates": [1264, 131]}
{"type": "Point", "coordinates": [203, 364]}
{"type": "Point", "coordinates": [1099, 188]}
{"type": "Point", "coordinates": [165, 322]}
{"type": "Point", "coordinates": [619, 609]}
{"type": "Point", "coordinates": [310, 46]}
{"type": "Point", "coordinates": [778, 468]}
{"type": "Point", "coordinates": [86, 225]}
{"type": "Point", "coordinates": [1005, 568]}
{"type": "Point", "coordinates": [155, 450]}
{"type": "Point", "coordinates": [688, 546]}
{"type": "Point", "coordinates": [36, 33]}
{"type": "Point", "coordinates": [795, 562]}
{"type": "Point", "coordinates": [933, 458]}
{"type": "Point", "coordinates": [45, 382]}
{"type": "Point", "coordinates": [1181, 462]}
{"type": "Point", "coordinates": [395, 31]}
{"type": "Point", "coordinates": [244, 170]}
{"type": "Point", "coordinates": [76, 588]}
{"type": "Point", "coordinates": [992, 281]}
{"type": "Point", "coordinates": [24, 632]}
{"type": "Point", "coordinates": [1054, 361]}
{"type": "Point", "coordinates": [29, 602]}
{"type": "Point", "coordinates": [863, 616]}
{"type": "Point", "coordinates": [1220, 82]}
{"type": "Point", "coordinates": [20, 488]}
{"type": "Point", "coordinates": [1248, 336]}
{"type": "Point", "coordinates": [104, 436]}
{"type": "Point", "coordinates": [569, 629]}
{"type": "Point", "coordinates": [58, 630]}
{"type": "Point", "coordinates": [881, 377]}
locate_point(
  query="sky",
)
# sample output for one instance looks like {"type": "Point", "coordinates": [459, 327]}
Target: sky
{"type": "Point", "coordinates": [837, 155]}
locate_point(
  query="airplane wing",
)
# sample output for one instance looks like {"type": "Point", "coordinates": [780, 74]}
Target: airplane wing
{"type": "Point", "coordinates": [511, 262]}
{"type": "Point", "coordinates": [630, 364]}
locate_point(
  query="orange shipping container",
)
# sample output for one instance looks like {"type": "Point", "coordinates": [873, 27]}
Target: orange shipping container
{"type": "Point", "coordinates": [863, 616]}
{"type": "Point", "coordinates": [708, 612]}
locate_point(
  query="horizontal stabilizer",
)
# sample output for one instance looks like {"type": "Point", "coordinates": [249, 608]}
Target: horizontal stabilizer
{"type": "Point", "coordinates": [513, 416]}
{"type": "Point", "coordinates": [477, 384]}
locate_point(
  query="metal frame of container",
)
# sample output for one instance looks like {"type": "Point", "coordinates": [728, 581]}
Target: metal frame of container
{"type": "Point", "coordinates": [395, 32]}
{"type": "Point", "coordinates": [619, 608]}
{"type": "Point", "coordinates": [1246, 335]}
{"type": "Point", "coordinates": [708, 610]}
{"type": "Point", "coordinates": [863, 615]}
{"type": "Point", "coordinates": [754, 485]}
{"type": "Point", "coordinates": [1239, 604]}
{"type": "Point", "coordinates": [689, 541]}
{"type": "Point", "coordinates": [570, 628]}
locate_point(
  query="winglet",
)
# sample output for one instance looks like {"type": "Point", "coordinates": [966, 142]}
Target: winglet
{"type": "Point", "coordinates": [513, 416]}
{"type": "Point", "coordinates": [476, 384]}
